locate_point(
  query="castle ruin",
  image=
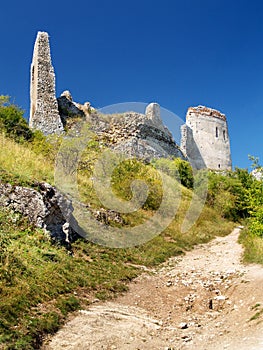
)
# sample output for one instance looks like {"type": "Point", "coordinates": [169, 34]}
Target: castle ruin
{"type": "Point", "coordinates": [205, 140]}
{"type": "Point", "coordinates": [44, 113]}
{"type": "Point", "coordinates": [204, 137]}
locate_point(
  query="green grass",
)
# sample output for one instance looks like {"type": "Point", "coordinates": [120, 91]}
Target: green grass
{"type": "Point", "coordinates": [19, 164]}
{"type": "Point", "coordinates": [38, 280]}
{"type": "Point", "coordinates": [256, 316]}
{"type": "Point", "coordinates": [258, 313]}
{"type": "Point", "coordinates": [40, 283]}
{"type": "Point", "coordinates": [253, 247]}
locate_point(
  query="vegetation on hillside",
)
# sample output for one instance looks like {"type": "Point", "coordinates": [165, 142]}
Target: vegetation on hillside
{"type": "Point", "coordinates": [12, 122]}
{"type": "Point", "coordinates": [40, 282]}
{"type": "Point", "coordinates": [252, 235]}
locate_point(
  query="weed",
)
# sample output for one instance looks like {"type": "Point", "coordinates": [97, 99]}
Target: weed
{"type": "Point", "coordinates": [256, 306]}
{"type": "Point", "coordinates": [256, 316]}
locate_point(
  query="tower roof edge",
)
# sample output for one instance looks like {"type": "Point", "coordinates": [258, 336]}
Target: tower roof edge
{"type": "Point", "coordinates": [205, 111]}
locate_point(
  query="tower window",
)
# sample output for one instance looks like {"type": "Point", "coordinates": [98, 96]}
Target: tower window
{"type": "Point", "coordinates": [218, 166]}
{"type": "Point", "coordinates": [224, 134]}
{"type": "Point", "coordinates": [216, 131]}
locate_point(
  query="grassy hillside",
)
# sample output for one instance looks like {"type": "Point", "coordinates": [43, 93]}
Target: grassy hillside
{"type": "Point", "coordinates": [41, 282]}
{"type": "Point", "coordinates": [20, 164]}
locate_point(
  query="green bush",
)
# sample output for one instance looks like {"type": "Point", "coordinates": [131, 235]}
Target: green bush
{"type": "Point", "coordinates": [227, 193]}
{"type": "Point", "coordinates": [12, 122]}
{"type": "Point", "coordinates": [130, 170]}
{"type": "Point", "coordinates": [45, 145]}
{"type": "Point", "coordinates": [256, 223]}
{"type": "Point", "coordinates": [254, 201]}
{"type": "Point", "coordinates": [177, 168]}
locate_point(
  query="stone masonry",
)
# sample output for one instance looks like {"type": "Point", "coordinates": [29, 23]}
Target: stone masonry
{"type": "Point", "coordinates": [143, 136]}
{"type": "Point", "coordinates": [44, 113]}
{"type": "Point", "coordinates": [205, 140]}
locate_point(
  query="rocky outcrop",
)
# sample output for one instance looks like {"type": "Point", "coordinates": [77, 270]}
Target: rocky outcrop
{"type": "Point", "coordinates": [68, 110]}
{"type": "Point", "coordinates": [72, 114]}
{"type": "Point", "coordinates": [48, 209]}
{"type": "Point", "coordinates": [43, 206]}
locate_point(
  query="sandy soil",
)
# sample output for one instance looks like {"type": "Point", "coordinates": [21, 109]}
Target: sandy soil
{"type": "Point", "coordinates": [203, 300]}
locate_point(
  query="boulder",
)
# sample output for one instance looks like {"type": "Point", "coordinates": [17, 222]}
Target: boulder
{"type": "Point", "coordinates": [44, 206]}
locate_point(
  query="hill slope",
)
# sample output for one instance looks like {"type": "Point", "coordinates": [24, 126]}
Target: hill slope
{"type": "Point", "coordinates": [204, 300]}
{"type": "Point", "coordinates": [41, 282]}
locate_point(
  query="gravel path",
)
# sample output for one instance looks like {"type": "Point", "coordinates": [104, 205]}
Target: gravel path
{"type": "Point", "coordinates": [203, 300]}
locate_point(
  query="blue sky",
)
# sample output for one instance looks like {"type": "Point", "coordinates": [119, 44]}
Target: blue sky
{"type": "Point", "coordinates": [177, 53]}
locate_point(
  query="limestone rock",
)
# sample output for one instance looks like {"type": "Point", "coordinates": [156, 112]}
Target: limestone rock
{"type": "Point", "coordinates": [43, 207]}
{"type": "Point", "coordinates": [72, 112]}
{"type": "Point", "coordinates": [26, 201]}
{"type": "Point", "coordinates": [86, 108]}
{"type": "Point", "coordinates": [47, 208]}
{"type": "Point", "coordinates": [68, 109]}
{"type": "Point", "coordinates": [67, 94]}
{"type": "Point", "coordinates": [143, 136]}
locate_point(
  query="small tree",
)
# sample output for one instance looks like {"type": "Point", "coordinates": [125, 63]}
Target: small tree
{"type": "Point", "coordinates": [176, 168]}
{"type": "Point", "coordinates": [12, 122]}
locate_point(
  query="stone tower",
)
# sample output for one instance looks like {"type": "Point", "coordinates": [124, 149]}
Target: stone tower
{"type": "Point", "coordinates": [205, 139]}
{"type": "Point", "coordinates": [44, 113]}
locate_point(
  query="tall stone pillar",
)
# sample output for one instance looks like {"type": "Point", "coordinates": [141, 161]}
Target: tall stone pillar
{"type": "Point", "coordinates": [44, 113]}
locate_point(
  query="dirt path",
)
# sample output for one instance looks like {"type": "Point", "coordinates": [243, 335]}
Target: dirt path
{"type": "Point", "coordinates": [203, 300]}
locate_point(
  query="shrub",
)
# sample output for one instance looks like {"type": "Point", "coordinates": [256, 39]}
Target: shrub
{"type": "Point", "coordinates": [47, 146]}
{"type": "Point", "coordinates": [12, 122]}
{"type": "Point", "coordinates": [227, 193]}
{"type": "Point", "coordinates": [130, 170]}
{"type": "Point", "coordinates": [256, 223]}
{"type": "Point", "coordinates": [176, 168]}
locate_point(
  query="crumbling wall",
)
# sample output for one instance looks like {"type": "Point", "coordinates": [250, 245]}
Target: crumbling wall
{"type": "Point", "coordinates": [44, 113]}
{"type": "Point", "coordinates": [136, 135]}
{"type": "Point", "coordinates": [143, 136]}
{"type": "Point", "coordinates": [205, 139]}
{"type": "Point", "coordinates": [190, 148]}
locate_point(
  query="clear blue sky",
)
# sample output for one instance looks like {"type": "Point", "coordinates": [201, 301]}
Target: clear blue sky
{"type": "Point", "coordinates": [177, 53]}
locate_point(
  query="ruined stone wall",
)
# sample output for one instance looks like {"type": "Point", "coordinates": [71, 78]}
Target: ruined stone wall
{"type": "Point", "coordinates": [143, 136]}
{"type": "Point", "coordinates": [190, 148]}
{"type": "Point", "coordinates": [205, 139]}
{"type": "Point", "coordinates": [135, 135]}
{"type": "Point", "coordinates": [44, 114]}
